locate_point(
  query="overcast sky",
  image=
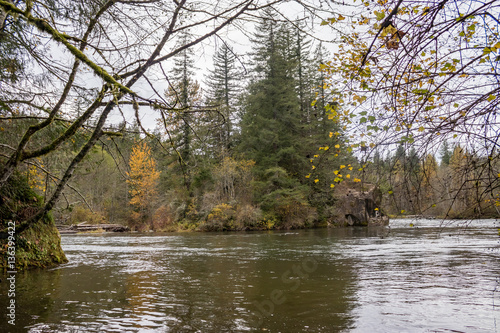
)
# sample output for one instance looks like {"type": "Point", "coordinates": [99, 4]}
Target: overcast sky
{"type": "Point", "coordinates": [236, 36]}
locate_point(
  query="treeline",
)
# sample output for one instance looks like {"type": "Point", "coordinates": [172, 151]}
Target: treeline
{"type": "Point", "coordinates": [238, 155]}
{"type": "Point", "coordinates": [255, 150]}
{"type": "Point", "coordinates": [456, 185]}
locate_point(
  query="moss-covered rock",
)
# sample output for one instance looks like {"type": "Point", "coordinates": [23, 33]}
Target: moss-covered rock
{"type": "Point", "coordinates": [39, 244]}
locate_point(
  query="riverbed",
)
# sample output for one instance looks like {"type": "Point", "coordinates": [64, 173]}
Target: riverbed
{"type": "Point", "coordinates": [413, 276]}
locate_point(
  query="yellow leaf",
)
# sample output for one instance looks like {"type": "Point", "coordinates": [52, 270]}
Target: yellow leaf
{"type": "Point", "coordinates": [332, 186]}
{"type": "Point", "coordinates": [357, 180]}
{"type": "Point", "coordinates": [348, 176]}
{"type": "Point", "coordinates": [402, 211]}
{"type": "Point", "coordinates": [342, 166]}
{"type": "Point", "coordinates": [337, 146]}
{"type": "Point", "coordinates": [316, 180]}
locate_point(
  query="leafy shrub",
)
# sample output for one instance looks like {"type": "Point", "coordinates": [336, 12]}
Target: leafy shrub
{"type": "Point", "coordinates": [82, 214]}
{"type": "Point", "coordinates": [163, 219]}
{"type": "Point", "coordinates": [249, 217]}
{"type": "Point", "coordinates": [289, 207]}
{"type": "Point", "coordinates": [222, 217]}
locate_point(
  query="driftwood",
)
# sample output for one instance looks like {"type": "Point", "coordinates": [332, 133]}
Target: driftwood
{"type": "Point", "coordinates": [85, 227]}
{"type": "Point", "coordinates": [358, 204]}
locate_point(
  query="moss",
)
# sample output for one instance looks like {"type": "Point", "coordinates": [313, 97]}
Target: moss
{"type": "Point", "coordinates": [39, 245]}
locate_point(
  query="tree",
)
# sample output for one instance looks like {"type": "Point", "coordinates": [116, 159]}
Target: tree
{"type": "Point", "coordinates": [419, 71]}
{"type": "Point", "coordinates": [184, 96]}
{"type": "Point", "coordinates": [143, 180]}
{"type": "Point", "coordinates": [224, 84]}
{"type": "Point", "coordinates": [100, 72]}
{"type": "Point", "coordinates": [271, 122]}
{"type": "Point", "coordinates": [445, 153]}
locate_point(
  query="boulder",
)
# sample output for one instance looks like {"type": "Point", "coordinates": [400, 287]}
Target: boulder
{"type": "Point", "coordinates": [358, 204]}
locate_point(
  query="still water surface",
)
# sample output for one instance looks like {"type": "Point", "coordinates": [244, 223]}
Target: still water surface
{"type": "Point", "coordinates": [429, 277]}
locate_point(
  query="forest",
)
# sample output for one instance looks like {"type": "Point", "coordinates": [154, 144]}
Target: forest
{"type": "Point", "coordinates": [249, 165]}
{"type": "Point", "coordinates": [263, 140]}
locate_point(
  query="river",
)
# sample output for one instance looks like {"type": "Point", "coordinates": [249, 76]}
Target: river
{"type": "Point", "coordinates": [414, 276]}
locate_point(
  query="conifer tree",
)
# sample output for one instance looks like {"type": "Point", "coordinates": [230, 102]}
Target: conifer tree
{"type": "Point", "coordinates": [223, 87]}
{"type": "Point", "coordinates": [272, 134]}
{"type": "Point", "coordinates": [445, 153]}
{"type": "Point", "coordinates": [184, 95]}
{"type": "Point", "coordinates": [305, 72]}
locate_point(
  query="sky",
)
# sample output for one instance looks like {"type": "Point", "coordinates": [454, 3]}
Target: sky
{"type": "Point", "coordinates": [236, 36]}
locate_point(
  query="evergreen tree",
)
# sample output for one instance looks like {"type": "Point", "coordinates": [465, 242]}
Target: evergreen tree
{"type": "Point", "coordinates": [445, 153]}
{"type": "Point", "coordinates": [271, 126]}
{"type": "Point", "coordinates": [305, 72]}
{"type": "Point", "coordinates": [325, 101]}
{"type": "Point", "coordinates": [184, 95]}
{"type": "Point", "coordinates": [223, 87]}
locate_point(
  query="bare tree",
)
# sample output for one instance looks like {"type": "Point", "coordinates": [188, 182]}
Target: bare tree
{"type": "Point", "coordinates": [420, 72]}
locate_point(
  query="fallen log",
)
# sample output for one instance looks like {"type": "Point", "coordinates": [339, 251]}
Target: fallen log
{"type": "Point", "coordinates": [85, 227]}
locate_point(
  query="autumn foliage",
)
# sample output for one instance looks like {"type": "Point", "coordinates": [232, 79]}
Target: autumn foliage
{"type": "Point", "coordinates": [143, 181]}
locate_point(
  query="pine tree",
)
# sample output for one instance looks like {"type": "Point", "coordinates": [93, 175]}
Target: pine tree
{"type": "Point", "coordinates": [304, 72]}
{"type": "Point", "coordinates": [272, 134]}
{"type": "Point", "coordinates": [184, 95]}
{"type": "Point", "coordinates": [322, 95]}
{"type": "Point", "coordinates": [223, 87]}
{"type": "Point", "coordinates": [445, 153]}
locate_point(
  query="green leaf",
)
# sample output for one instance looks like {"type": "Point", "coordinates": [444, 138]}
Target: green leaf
{"type": "Point", "coordinates": [379, 16]}
{"type": "Point", "coordinates": [420, 91]}
{"type": "Point", "coordinates": [362, 120]}
{"type": "Point", "coordinates": [491, 97]}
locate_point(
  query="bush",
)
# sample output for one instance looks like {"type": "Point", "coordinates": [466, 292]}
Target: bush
{"type": "Point", "coordinates": [290, 208]}
{"type": "Point", "coordinates": [164, 219]}
{"type": "Point", "coordinates": [82, 214]}
{"type": "Point", "coordinates": [222, 217]}
{"type": "Point", "coordinates": [249, 217]}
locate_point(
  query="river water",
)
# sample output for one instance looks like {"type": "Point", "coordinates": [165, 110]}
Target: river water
{"type": "Point", "coordinates": [414, 276]}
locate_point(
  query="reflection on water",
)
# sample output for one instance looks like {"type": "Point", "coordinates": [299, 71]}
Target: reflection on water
{"type": "Point", "coordinates": [426, 278]}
